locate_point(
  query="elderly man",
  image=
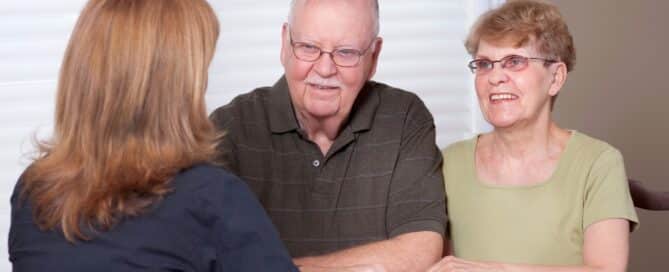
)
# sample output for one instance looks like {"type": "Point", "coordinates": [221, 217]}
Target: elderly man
{"type": "Point", "coordinates": [347, 168]}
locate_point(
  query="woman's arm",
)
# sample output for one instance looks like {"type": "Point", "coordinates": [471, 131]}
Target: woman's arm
{"type": "Point", "coordinates": [605, 249]}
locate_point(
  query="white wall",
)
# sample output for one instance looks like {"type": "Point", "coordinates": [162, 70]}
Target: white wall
{"type": "Point", "coordinates": [422, 53]}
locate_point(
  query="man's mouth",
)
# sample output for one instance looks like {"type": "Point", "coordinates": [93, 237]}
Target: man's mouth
{"type": "Point", "coordinates": [323, 87]}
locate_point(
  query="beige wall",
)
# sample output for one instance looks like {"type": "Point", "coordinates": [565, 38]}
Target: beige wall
{"type": "Point", "coordinates": [618, 92]}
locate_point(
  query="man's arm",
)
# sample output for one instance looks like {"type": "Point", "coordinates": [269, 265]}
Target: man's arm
{"type": "Point", "coordinates": [414, 251]}
{"type": "Point", "coordinates": [416, 213]}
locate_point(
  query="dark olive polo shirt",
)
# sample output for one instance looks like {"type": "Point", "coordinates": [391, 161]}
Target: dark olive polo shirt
{"type": "Point", "coordinates": [381, 177]}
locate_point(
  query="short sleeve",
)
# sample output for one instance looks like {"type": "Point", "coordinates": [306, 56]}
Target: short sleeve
{"type": "Point", "coordinates": [417, 196]}
{"type": "Point", "coordinates": [607, 193]}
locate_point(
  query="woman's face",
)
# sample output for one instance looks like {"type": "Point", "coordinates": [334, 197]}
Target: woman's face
{"type": "Point", "coordinates": [516, 95]}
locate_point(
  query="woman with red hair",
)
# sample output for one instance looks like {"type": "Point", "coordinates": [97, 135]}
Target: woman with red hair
{"type": "Point", "coordinates": [125, 183]}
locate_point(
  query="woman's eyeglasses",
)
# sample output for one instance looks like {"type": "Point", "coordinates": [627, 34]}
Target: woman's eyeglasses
{"type": "Point", "coordinates": [513, 63]}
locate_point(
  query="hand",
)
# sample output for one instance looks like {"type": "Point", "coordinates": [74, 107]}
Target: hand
{"type": "Point", "coordinates": [355, 268]}
{"type": "Point", "coordinates": [453, 264]}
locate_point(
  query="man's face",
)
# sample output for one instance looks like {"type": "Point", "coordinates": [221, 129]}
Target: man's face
{"type": "Point", "coordinates": [320, 89]}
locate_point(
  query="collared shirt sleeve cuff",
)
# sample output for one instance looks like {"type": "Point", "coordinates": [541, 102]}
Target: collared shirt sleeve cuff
{"type": "Point", "coordinates": [415, 226]}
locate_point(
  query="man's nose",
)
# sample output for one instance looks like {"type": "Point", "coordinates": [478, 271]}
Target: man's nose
{"type": "Point", "coordinates": [325, 65]}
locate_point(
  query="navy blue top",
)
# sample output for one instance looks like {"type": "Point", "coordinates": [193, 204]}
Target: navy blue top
{"type": "Point", "coordinates": [210, 222]}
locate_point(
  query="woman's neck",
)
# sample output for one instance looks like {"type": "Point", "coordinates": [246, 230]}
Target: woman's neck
{"type": "Point", "coordinates": [530, 142]}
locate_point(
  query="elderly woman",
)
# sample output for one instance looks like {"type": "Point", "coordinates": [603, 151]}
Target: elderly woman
{"type": "Point", "coordinates": [530, 195]}
{"type": "Point", "coordinates": [125, 183]}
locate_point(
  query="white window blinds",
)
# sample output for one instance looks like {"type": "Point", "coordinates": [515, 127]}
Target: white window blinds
{"type": "Point", "coordinates": [422, 53]}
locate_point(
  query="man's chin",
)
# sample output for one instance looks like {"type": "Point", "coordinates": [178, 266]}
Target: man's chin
{"type": "Point", "coordinates": [322, 110]}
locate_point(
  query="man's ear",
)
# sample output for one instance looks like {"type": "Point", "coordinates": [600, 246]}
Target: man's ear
{"type": "Point", "coordinates": [378, 44]}
{"type": "Point", "coordinates": [559, 78]}
{"type": "Point", "coordinates": [285, 40]}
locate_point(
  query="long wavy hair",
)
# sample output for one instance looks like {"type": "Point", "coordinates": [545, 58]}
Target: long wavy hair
{"type": "Point", "coordinates": [130, 113]}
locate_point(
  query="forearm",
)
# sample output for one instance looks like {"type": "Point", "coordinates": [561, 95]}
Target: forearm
{"type": "Point", "coordinates": [450, 264]}
{"type": "Point", "coordinates": [406, 252]}
{"type": "Point", "coordinates": [537, 268]}
{"type": "Point", "coordinates": [605, 249]}
{"type": "Point", "coordinates": [355, 268]}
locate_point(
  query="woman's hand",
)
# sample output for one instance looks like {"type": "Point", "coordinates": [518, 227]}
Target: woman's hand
{"type": "Point", "coordinates": [355, 268]}
{"type": "Point", "coordinates": [453, 264]}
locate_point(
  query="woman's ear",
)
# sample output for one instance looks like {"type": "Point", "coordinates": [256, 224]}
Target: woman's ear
{"type": "Point", "coordinates": [559, 78]}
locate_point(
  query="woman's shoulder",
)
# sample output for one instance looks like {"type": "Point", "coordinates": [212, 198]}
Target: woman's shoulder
{"type": "Point", "coordinates": [205, 176]}
{"type": "Point", "coordinates": [211, 184]}
{"type": "Point", "coordinates": [213, 192]}
{"type": "Point", "coordinates": [18, 194]}
{"type": "Point", "coordinates": [591, 154]}
{"type": "Point", "coordinates": [588, 146]}
{"type": "Point", "coordinates": [460, 147]}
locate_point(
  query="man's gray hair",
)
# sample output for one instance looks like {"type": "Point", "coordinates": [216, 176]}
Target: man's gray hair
{"type": "Point", "coordinates": [293, 4]}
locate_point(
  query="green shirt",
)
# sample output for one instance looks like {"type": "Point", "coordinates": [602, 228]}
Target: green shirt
{"type": "Point", "coordinates": [537, 224]}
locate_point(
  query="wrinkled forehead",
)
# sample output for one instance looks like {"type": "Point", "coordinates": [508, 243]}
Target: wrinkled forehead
{"type": "Point", "coordinates": [357, 16]}
{"type": "Point", "coordinates": [503, 46]}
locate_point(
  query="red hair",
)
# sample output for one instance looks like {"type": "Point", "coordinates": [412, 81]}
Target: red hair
{"type": "Point", "coordinates": [130, 113]}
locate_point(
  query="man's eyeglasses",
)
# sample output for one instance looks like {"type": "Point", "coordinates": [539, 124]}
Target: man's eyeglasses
{"type": "Point", "coordinates": [513, 63]}
{"type": "Point", "coordinates": [343, 57]}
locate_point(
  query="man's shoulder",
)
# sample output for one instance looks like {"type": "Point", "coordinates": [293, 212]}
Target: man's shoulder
{"type": "Point", "coordinates": [256, 97]}
{"type": "Point", "coordinates": [393, 100]}
{"type": "Point", "coordinates": [251, 103]}
{"type": "Point", "coordinates": [393, 93]}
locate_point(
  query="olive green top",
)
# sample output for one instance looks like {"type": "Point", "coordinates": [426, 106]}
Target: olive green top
{"type": "Point", "coordinates": [536, 224]}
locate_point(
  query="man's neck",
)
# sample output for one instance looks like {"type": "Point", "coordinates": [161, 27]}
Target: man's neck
{"type": "Point", "coordinates": [323, 132]}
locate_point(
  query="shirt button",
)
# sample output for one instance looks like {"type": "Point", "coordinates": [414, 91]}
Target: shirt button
{"type": "Point", "coordinates": [316, 163]}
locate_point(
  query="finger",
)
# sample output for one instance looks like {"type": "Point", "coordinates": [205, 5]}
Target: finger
{"type": "Point", "coordinates": [443, 265]}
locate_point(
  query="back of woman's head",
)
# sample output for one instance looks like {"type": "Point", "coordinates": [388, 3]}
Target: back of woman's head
{"type": "Point", "coordinates": [130, 112]}
{"type": "Point", "coordinates": [520, 22]}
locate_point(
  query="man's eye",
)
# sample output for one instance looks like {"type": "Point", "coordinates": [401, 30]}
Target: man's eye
{"type": "Point", "coordinates": [308, 47]}
{"type": "Point", "coordinates": [347, 53]}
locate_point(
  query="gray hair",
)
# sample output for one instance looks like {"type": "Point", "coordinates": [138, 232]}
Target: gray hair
{"type": "Point", "coordinates": [293, 4]}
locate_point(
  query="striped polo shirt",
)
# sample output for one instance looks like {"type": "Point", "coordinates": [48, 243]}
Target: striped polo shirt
{"type": "Point", "coordinates": [381, 177]}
